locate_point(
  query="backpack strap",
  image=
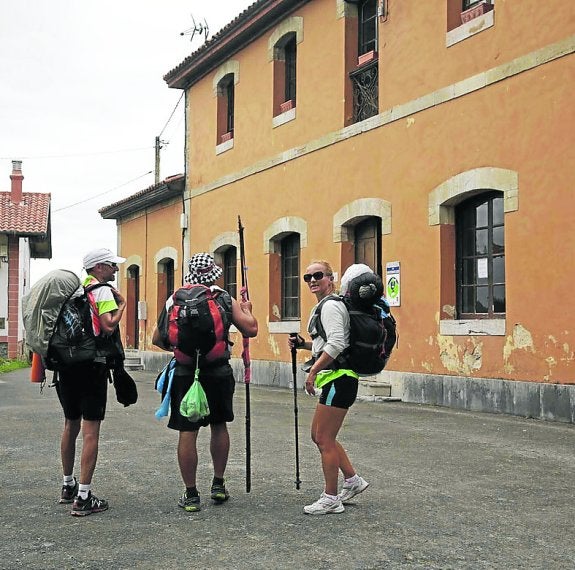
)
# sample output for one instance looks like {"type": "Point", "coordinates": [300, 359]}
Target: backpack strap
{"type": "Point", "coordinates": [224, 300]}
{"type": "Point", "coordinates": [89, 288]}
{"type": "Point", "coordinates": [316, 318]}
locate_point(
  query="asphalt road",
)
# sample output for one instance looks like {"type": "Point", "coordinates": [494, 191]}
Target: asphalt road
{"type": "Point", "coordinates": [449, 489]}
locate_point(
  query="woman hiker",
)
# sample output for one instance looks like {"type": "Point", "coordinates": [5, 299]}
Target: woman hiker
{"type": "Point", "coordinates": [338, 391]}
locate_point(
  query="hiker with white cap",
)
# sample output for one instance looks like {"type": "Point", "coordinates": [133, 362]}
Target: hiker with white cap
{"type": "Point", "coordinates": [214, 374]}
{"type": "Point", "coordinates": [82, 389]}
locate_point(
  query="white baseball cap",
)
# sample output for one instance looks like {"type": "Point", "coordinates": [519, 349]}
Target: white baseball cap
{"type": "Point", "coordinates": [101, 255]}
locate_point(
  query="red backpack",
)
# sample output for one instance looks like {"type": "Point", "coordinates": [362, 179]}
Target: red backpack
{"type": "Point", "coordinates": [198, 320]}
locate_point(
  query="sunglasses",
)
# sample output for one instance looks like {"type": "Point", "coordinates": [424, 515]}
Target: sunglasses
{"type": "Point", "coordinates": [317, 276]}
{"type": "Point", "coordinates": [110, 264]}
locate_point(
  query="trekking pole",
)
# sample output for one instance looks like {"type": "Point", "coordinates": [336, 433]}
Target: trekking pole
{"type": "Point", "coordinates": [246, 359]}
{"type": "Point", "coordinates": [294, 337]}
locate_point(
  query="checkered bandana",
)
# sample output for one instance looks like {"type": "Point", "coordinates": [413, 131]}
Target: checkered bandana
{"type": "Point", "coordinates": [202, 269]}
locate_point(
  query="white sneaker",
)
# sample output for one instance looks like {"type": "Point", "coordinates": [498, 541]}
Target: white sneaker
{"type": "Point", "coordinates": [350, 490]}
{"type": "Point", "coordinates": [323, 506]}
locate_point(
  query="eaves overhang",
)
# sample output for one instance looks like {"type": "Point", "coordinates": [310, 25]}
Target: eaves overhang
{"type": "Point", "coordinates": [243, 30]}
{"type": "Point", "coordinates": [172, 187]}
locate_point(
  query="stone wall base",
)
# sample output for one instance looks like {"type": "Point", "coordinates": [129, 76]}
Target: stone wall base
{"type": "Point", "coordinates": [551, 402]}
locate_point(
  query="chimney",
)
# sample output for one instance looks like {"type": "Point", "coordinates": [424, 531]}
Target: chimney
{"type": "Point", "coordinates": [16, 177]}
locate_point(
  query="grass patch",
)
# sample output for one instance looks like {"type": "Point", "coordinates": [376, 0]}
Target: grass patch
{"type": "Point", "coordinates": [9, 365]}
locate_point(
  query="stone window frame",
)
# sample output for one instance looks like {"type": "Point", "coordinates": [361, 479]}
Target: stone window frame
{"type": "Point", "coordinates": [347, 217]}
{"type": "Point", "coordinates": [273, 235]}
{"type": "Point", "coordinates": [283, 111]}
{"type": "Point", "coordinates": [219, 246]}
{"type": "Point", "coordinates": [220, 82]}
{"type": "Point", "coordinates": [441, 212]}
{"type": "Point", "coordinates": [458, 30]}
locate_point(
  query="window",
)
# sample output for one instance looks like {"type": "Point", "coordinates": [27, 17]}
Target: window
{"type": "Point", "coordinates": [165, 286]}
{"type": "Point", "coordinates": [365, 78]}
{"type": "Point", "coordinates": [284, 238]}
{"type": "Point", "coordinates": [367, 20]}
{"type": "Point", "coordinates": [225, 126]}
{"type": "Point", "coordinates": [290, 69]}
{"type": "Point", "coordinates": [465, 18]}
{"type": "Point", "coordinates": [469, 3]}
{"type": "Point", "coordinates": [230, 107]}
{"type": "Point", "coordinates": [132, 300]}
{"type": "Point", "coordinates": [481, 257]}
{"type": "Point", "coordinates": [230, 271]}
{"type": "Point", "coordinates": [290, 291]}
{"type": "Point", "coordinates": [367, 244]}
{"type": "Point", "coordinates": [169, 268]}
{"type": "Point", "coordinates": [285, 58]}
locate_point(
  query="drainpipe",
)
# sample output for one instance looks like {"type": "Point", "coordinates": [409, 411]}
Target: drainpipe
{"type": "Point", "coordinates": [185, 218]}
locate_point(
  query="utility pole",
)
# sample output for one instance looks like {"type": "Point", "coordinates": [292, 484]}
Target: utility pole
{"type": "Point", "coordinates": [157, 171]}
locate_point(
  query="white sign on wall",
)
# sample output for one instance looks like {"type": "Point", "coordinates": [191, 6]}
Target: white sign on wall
{"type": "Point", "coordinates": [392, 284]}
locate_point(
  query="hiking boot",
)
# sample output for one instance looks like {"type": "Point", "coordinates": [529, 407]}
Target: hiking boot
{"type": "Point", "coordinates": [84, 507]}
{"type": "Point", "coordinates": [350, 490]}
{"type": "Point", "coordinates": [324, 506]}
{"type": "Point", "coordinates": [189, 504]}
{"type": "Point", "coordinates": [219, 493]}
{"type": "Point", "coordinates": [69, 493]}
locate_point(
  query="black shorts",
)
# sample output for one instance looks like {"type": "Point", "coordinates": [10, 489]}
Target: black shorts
{"type": "Point", "coordinates": [219, 386]}
{"type": "Point", "coordinates": [341, 393]}
{"type": "Point", "coordinates": [83, 391]}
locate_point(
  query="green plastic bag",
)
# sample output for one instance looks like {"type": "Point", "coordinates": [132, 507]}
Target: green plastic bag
{"type": "Point", "coordinates": [194, 404]}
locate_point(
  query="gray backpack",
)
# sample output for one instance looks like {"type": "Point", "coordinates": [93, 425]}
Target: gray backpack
{"type": "Point", "coordinates": [58, 323]}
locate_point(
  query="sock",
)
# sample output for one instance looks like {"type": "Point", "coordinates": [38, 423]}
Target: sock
{"type": "Point", "coordinates": [331, 497]}
{"type": "Point", "coordinates": [83, 491]}
{"type": "Point", "coordinates": [192, 492]}
{"type": "Point", "coordinates": [352, 480]}
{"type": "Point", "coordinates": [218, 481]}
{"type": "Point", "coordinates": [69, 480]}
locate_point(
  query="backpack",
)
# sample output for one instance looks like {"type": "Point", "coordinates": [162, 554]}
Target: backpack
{"type": "Point", "coordinates": [58, 323]}
{"type": "Point", "coordinates": [373, 330]}
{"type": "Point", "coordinates": [197, 325]}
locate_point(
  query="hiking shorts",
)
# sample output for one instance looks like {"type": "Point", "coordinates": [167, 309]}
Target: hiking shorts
{"type": "Point", "coordinates": [219, 386]}
{"type": "Point", "coordinates": [340, 393]}
{"type": "Point", "coordinates": [83, 390]}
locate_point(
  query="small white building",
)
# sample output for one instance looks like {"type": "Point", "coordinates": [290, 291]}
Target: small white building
{"type": "Point", "coordinates": [25, 233]}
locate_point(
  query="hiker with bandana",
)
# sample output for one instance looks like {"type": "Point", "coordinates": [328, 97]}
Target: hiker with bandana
{"type": "Point", "coordinates": [218, 382]}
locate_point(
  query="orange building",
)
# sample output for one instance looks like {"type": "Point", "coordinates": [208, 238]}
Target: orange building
{"type": "Point", "coordinates": [433, 141]}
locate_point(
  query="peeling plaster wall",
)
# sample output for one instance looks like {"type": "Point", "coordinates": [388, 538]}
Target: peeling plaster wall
{"type": "Point", "coordinates": [507, 93]}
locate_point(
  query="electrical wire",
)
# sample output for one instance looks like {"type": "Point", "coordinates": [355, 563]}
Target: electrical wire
{"type": "Point", "coordinates": [99, 153]}
{"type": "Point", "coordinates": [102, 193]}
{"type": "Point", "coordinates": [170, 118]}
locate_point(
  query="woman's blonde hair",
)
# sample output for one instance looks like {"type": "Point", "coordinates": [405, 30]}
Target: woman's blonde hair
{"type": "Point", "coordinates": [325, 263]}
{"type": "Point", "coordinates": [328, 269]}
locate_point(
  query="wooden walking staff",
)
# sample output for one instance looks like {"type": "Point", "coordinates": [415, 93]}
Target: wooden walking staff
{"type": "Point", "coordinates": [246, 358]}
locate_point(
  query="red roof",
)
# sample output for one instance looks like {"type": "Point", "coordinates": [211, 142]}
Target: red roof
{"type": "Point", "coordinates": [30, 217]}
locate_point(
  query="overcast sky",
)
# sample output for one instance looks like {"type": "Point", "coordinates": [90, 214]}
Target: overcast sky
{"type": "Point", "coordinates": [82, 100]}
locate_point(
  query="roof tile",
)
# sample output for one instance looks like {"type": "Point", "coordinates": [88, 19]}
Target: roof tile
{"type": "Point", "coordinates": [31, 216]}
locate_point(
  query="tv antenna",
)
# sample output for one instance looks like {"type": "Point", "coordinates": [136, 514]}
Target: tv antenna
{"type": "Point", "coordinates": [198, 28]}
